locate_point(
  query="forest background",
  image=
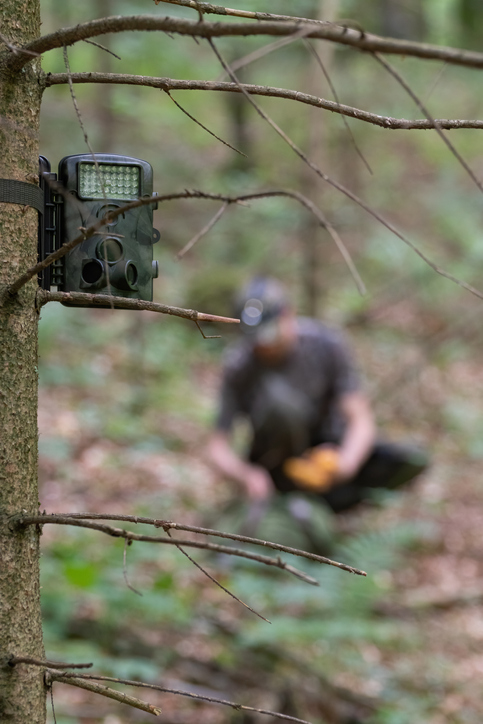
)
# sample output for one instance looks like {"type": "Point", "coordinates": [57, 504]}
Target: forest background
{"type": "Point", "coordinates": [127, 399]}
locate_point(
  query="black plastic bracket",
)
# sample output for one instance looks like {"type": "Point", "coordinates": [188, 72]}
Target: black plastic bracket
{"type": "Point", "coordinates": [51, 275]}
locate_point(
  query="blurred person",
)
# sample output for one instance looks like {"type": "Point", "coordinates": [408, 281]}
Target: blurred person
{"type": "Point", "coordinates": [312, 425]}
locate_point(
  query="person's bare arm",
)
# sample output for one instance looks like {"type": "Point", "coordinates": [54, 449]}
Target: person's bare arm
{"type": "Point", "coordinates": [254, 480]}
{"type": "Point", "coordinates": [359, 436]}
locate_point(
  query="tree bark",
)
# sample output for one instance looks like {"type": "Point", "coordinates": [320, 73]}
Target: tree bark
{"type": "Point", "coordinates": [22, 691]}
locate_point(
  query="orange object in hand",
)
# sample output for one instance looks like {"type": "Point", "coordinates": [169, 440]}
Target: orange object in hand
{"type": "Point", "coordinates": [315, 471]}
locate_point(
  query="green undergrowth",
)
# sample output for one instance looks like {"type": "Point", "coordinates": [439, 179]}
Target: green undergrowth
{"type": "Point", "coordinates": [91, 612]}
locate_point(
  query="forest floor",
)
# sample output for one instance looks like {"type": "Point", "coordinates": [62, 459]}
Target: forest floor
{"type": "Point", "coordinates": [428, 667]}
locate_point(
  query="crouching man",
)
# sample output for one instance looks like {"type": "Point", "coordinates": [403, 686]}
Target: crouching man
{"type": "Point", "coordinates": [312, 426]}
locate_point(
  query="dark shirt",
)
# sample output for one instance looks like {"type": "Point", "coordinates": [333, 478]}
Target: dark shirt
{"type": "Point", "coordinates": [319, 368]}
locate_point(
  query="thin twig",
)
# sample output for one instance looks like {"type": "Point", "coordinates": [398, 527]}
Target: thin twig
{"type": "Point", "coordinates": [342, 34]}
{"type": "Point", "coordinates": [124, 569]}
{"type": "Point", "coordinates": [213, 547]}
{"type": "Point", "coordinates": [198, 123]}
{"type": "Point", "coordinates": [199, 697]}
{"type": "Point", "coordinates": [170, 525]}
{"type": "Point", "coordinates": [395, 74]}
{"type": "Point", "coordinates": [207, 336]}
{"type": "Point", "coordinates": [16, 285]}
{"type": "Point", "coordinates": [436, 80]}
{"type": "Point", "coordinates": [53, 675]}
{"type": "Point", "coordinates": [91, 150]}
{"type": "Point", "coordinates": [203, 231]}
{"type": "Point", "coordinates": [217, 583]}
{"type": "Point", "coordinates": [104, 300]}
{"type": "Point", "coordinates": [110, 216]}
{"type": "Point", "coordinates": [9, 291]}
{"type": "Point", "coordinates": [15, 660]}
{"type": "Point", "coordinates": [199, 10]}
{"type": "Point", "coordinates": [74, 102]}
{"type": "Point", "coordinates": [85, 234]}
{"type": "Point", "coordinates": [103, 47]}
{"type": "Point", "coordinates": [169, 84]}
{"type": "Point", "coordinates": [324, 70]}
{"type": "Point", "coordinates": [52, 702]}
{"type": "Point", "coordinates": [208, 8]}
{"type": "Point", "coordinates": [325, 223]}
{"type": "Point", "coordinates": [15, 49]}
{"type": "Point", "coordinates": [343, 189]}
{"type": "Point", "coordinates": [267, 49]}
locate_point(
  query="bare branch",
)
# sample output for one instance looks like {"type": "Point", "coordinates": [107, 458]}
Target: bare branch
{"type": "Point", "coordinates": [267, 49]}
{"type": "Point", "coordinates": [103, 47]}
{"type": "Point", "coordinates": [15, 660]}
{"type": "Point", "coordinates": [344, 35]}
{"type": "Point", "coordinates": [437, 78]}
{"type": "Point", "coordinates": [15, 286]}
{"type": "Point", "coordinates": [390, 69]}
{"type": "Point", "coordinates": [335, 238]}
{"type": "Point", "coordinates": [76, 107]}
{"type": "Point", "coordinates": [52, 675]}
{"type": "Point", "coordinates": [203, 231]}
{"type": "Point", "coordinates": [82, 518]}
{"type": "Point", "coordinates": [112, 214]}
{"type": "Point", "coordinates": [343, 189]}
{"type": "Point", "coordinates": [199, 697]}
{"type": "Point", "coordinates": [169, 84]}
{"type": "Point", "coordinates": [210, 9]}
{"type": "Point", "coordinates": [207, 336]}
{"type": "Point", "coordinates": [334, 93]}
{"type": "Point", "coordinates": [183, 110]}
{"type": "Point", "coordinates": [217, 583]}
{"type": "Point", "coordinates": [124, 569]}
{"type": "Point", "coordinates": [108, 301]}
{"type": "Point", "coordinates": [87, 233]}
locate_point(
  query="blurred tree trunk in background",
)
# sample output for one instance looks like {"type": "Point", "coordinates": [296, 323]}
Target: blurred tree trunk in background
{"type": "Point", "coordinates": [470, 15]}
{"type": "Point", "coordinates": [402, 18]}
{"type": "Point", "coordinates": [22, 694]}
{"type": "Point", "coordinates": [318, 142]}
{"type": "Point", "coordinates": [238, 114]}
{"type": "Point", "coordinates": [106, 119]}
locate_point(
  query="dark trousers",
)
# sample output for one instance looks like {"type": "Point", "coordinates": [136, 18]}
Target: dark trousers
{"type": "Point", "coordinates": [389, 466]}
{"type": "Point", "coordinates": [283, 429]}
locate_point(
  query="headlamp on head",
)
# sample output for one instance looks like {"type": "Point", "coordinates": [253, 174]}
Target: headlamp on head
{"type": "Point", "coordinates": [259, 307]}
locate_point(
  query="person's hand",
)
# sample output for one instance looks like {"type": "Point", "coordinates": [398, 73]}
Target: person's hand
{"type": "Point", "coordinates": [258, 483]}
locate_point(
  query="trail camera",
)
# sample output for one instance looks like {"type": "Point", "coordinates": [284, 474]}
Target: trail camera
{"type": "Point", "coordinates": [118, 259]}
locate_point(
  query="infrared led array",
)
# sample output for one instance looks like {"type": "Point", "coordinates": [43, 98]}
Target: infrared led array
{"type": "Point", "coordinates": [110, 181]}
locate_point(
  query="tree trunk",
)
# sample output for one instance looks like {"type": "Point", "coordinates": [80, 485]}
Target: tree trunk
{"type": "Point", "coordinates": [22, 693]}
{"type": "Point", "coordinates": [311, 185]}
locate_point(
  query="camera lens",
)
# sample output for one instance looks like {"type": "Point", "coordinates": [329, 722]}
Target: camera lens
{"type": "Point", "coordinates": [110, 250]}
{"type": "Point", "coordinates": [92, 272]}
{"type": "Point", "coordinates": [131, 274]}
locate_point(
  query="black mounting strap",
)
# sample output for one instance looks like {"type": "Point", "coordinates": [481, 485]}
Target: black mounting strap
{"type": "Point", "coordinates": [21, 192]}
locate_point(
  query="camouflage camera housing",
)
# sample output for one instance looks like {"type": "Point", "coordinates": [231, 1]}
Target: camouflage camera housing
{"type": "Point", "coordinates": [118, 260]}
